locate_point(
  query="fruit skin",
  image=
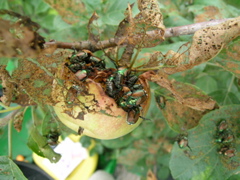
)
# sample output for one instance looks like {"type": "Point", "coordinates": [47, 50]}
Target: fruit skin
{"type": "Point", "coordinates": [107, 121]}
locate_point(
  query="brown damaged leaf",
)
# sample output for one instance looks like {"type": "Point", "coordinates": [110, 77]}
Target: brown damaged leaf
{"type": "Point", "coordinates": [151, 175]}
{"type": "Point", "coordinates": [207, 43]}
{"type": "Point", "coordinates": [186, 94]}
{"type": "Point", "coordinates": [8, 87]}
{"type": "Point", "coordinates": [18, 41]}
{"type": "Point", "coordinates": [91, 35]}
{"type": "Point", "coordinates": [70, 11]}
{"type": "Point", "coordinates": [180, 117]}
{"type": "Point", "coordinates": [18, 22]}
{"type": "Point", "coordinates": [150, 14]}
{"type": "Point", "coordinates": [229, 58]}
{"type": "Point", "coordinates": [157, 60]}
{"type": "Point", "coordinates": [18, 120]}
{"type": "Point", "coordinates": [133, 30]}
{"type": "Point", "coordinates": [31, 77]}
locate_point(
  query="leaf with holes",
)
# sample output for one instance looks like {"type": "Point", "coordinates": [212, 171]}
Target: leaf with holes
{"type": "Point", "coordinates": [205, 159]}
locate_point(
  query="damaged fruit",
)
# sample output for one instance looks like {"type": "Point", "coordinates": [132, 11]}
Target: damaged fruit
{"type": "Point", "coordinates": [103, 103]}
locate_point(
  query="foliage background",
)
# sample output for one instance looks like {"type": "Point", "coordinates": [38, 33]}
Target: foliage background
{"type": "Point", "coordinates": [149, 146]}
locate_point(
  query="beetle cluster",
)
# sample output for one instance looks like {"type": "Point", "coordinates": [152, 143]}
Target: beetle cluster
{"type": "Point", "coordinates": [225, 137]}
{"type": "Point", "coordinates": [128, 92]}
{"type": "Point", "coordinates": [120, 84]}
{"type": "Point", "coordinates": [84, 63]}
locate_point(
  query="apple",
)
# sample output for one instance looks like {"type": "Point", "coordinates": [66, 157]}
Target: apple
{"type": "Point", "coordinates": [103, 118]}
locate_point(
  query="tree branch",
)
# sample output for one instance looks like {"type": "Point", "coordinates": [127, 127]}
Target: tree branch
{"type": "Point", "coordinates": [170, 32]}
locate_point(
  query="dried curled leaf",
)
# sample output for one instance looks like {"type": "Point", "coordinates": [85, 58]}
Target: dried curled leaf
{"type": "Point", "coordinates": [150, 14]}
{"type": "Point", "coordinates": [91, 36]}
{"type": "Point", "coordinates": [17, 121]}
{"type": "Point", "coordinates": [133, 30]}
{"type": "Point", "coordinates": [207, 43]}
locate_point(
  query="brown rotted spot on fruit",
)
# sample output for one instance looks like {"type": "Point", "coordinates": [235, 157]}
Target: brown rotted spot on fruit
{"type": "Point", "coordinates": [81, 115]}
{"type": "Point", "coordinates": [80, 130]}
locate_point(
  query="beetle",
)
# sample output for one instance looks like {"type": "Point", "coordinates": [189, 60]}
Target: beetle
{"type": "Point", "coordinates": [97, 62]}
{"type": "Point", "coordinates": [76, 58]}
{"type": "Point", "coordinates": [133, 115]}
{"type": "Point", "coordinates": [182, 141]}
{"type": "Point", "coordinates": [225, 137]}
{"type": "Point", "coordinates": [222, 126]}
{"type": "Point", "coordinates": [52, 138]}
{"type": "Point", "coordinates": [227, 151]}
{"type": "Point", "coordinates": [230, 152]}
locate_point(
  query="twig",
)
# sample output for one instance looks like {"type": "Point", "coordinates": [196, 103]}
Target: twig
{"type": "Point", "coordinates": [170, 32]}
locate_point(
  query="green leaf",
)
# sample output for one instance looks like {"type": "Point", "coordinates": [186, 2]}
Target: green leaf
{"type": "Point", "coordinates": [203, 161]}
{"type": "Point", "coordinates": [38, 144]}
{"type": "Point", "coordinates": [207, 84]}
{"type": "Point", "coordinates": [97, 149]}
{"type": "Point", "coordinates": [224, 97]}
{"type": "Point", "coordinates": [9, 170]}
{"type": "Point", "coordinates": [118, 143]}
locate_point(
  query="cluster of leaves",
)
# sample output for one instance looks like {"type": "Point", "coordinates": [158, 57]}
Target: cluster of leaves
{"type": "Point", "coordinates": [187, 103]}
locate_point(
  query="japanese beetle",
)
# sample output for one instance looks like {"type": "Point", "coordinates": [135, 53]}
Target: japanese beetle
{"type": "Point", "coordinates": [131, 83]}
{"type": "Point", "coordinates": [97, 62]}
{"type": "Point", "coordinates": [222, 126]}
{"type": "Point", "coordinates": [52, 139]}
{"type": "Point", "coordinates": [182, 141]}
{"type": "Point", "coordinates": [82, 74]}
{"type": "Point", "coordinates": [230, 152]}
{"type": "Point", "coordinates": [225, 137]}
{"type": "Point", "coordinates": [227, 151]}
{"type": "Point", "coordinates": [133, 115]}
{"type": "Point", "coordinates": [110, 87]}
{"type": "Point", "coordinates": [80, 57]}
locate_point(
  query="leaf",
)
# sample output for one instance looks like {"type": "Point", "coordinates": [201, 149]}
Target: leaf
{"type": "Point", "coordinates": [118, 143]}
{"type": "Point", "coordinates": [205, 160]}
{"type": "Point", "coordinates": [229, 58]}
{"type": "Point", "coordinates": [207, 43]}
{"type": "Point", "coordinates": [207, 84]}
{"type": "Point", "coordinates": [133, 156]}
{"type": "Point", "coordinates": [9, 170]}
{"type": "Point", "coordinates": [133, 30]}
{"type": "Point", "coordinates": [38, 144]}
{"type": "Point", "coordinates": [91, 35]}
{"type": "Point", "coordinates": [151, 175]}
{"type": "Point", "coordinates": [224, 97]}
{"type": "Point", "coordinates": [180, 117]}
{"type": "Point", "coordinates": [184, 93]}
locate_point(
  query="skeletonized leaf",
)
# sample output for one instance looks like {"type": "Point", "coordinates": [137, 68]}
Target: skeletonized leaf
{"type": "Point", "coordinates": [186, 94]}
{"type": "Point", "coordinates": [133, 30]}
{"type": "Point", "coordinates": [207, 43]}
{"type": "Point", "coordinates": [229, 58]}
